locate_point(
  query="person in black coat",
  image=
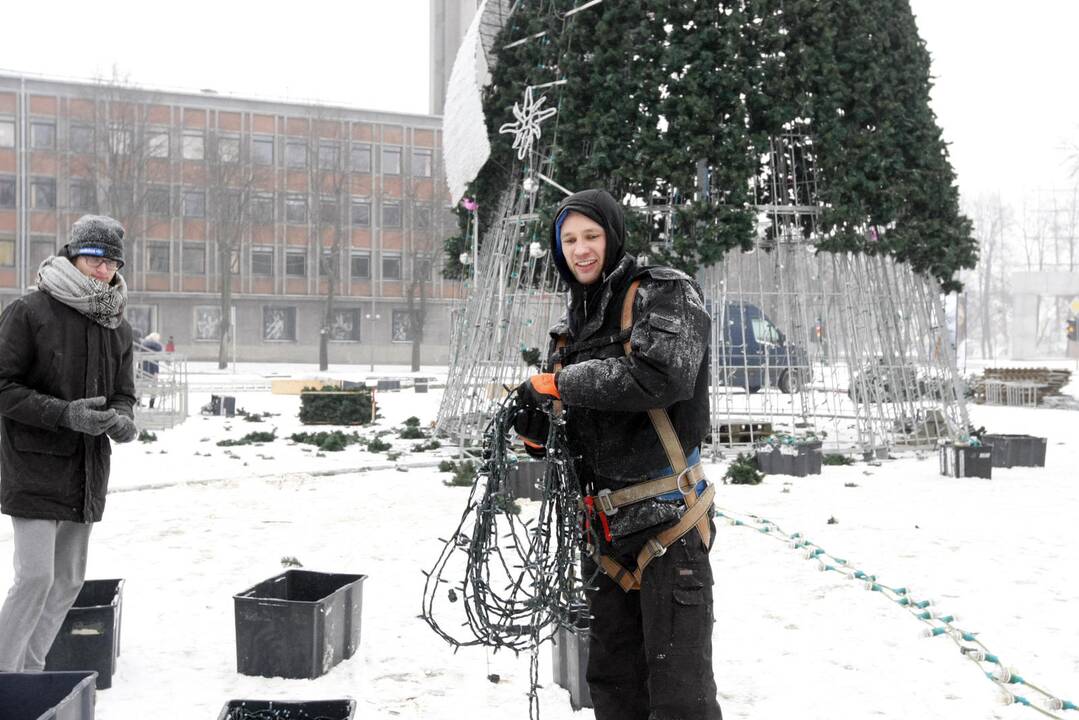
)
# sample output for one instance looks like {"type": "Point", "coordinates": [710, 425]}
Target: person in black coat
{"type": "Point", "coordinates": [620, 381]}
{"type": "Point", "coordinates": [67, 388]}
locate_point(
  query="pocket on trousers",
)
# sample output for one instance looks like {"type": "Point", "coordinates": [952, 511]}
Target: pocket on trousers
{"type": "Point", "coordinates": [691, 625]}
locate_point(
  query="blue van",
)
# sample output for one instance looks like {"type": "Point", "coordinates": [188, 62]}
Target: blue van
{"type": "Point", "coordinates": [753, 353]}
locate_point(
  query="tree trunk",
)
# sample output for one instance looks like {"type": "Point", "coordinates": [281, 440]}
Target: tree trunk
{"type": "Point", "coordinates": [417, 343]}
{"type": "Point", "coordinates": [985, 300]}
{"type": "Point", "coordinates": [324, 331]}
{"type": "Point", "coordinates": [331, 295]}
{"type": "Point", "coordinates": [224, 260]}
{"type": "Point", "coordinates": [417, 316]}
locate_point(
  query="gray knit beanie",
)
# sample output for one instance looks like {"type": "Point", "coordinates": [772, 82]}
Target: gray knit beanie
{"type": "Point", "coordinates": [97, 235]}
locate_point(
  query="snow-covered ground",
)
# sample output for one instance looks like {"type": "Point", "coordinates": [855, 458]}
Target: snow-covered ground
{"type": "Point", "coordinates": [189, 525]}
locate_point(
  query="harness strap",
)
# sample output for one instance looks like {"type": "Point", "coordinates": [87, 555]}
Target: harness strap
{"type": "Point", "coordinates": [609, 502]}
{"type": "Point", "coordinates": [696, 513]}
{"type": "Point", "coordinates": [685, 478]}
{"type": "Point", "coordinates": [660, 420]}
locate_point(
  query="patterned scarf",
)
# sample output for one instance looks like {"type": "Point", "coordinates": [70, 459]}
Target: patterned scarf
{"type": "Point", "coordinates": [104, 304]}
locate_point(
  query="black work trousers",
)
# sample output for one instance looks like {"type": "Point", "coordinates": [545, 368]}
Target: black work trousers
{"type": "Point", "coordinates": [650, 650]}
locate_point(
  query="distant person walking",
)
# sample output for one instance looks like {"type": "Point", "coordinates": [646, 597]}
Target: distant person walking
{"type": "Point", "coordinates": [66, 387]}
{"type": "Point", "coordinates": [150, 368]}
{"type": "Point", "coordinates": [170, 346]}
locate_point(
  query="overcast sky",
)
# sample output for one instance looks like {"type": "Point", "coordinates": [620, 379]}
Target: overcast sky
{"type": "Point", "coordinates": [1005, 94]}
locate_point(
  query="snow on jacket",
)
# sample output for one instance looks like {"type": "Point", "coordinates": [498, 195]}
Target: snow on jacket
{"type": "Point", "coordinates": [51, 354]}
{"type": "Point", "coordinates": [606, 393]}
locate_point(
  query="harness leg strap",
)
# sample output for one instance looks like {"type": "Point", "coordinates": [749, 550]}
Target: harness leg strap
{"type": "Point", "coordinates": [694, 517]}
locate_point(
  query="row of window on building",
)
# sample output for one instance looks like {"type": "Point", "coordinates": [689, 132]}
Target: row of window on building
{"type": "Point", "coordinates": [193, 257]}
{"type": "Point", "coordinates": [261, 207]}
{"type": "Point", "coordinates": [278, 323]}
{"type": "Point", "coordinates": [193, 146]}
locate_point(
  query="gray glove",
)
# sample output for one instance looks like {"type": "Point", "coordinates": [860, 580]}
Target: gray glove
{"type": "Point", "coordinates": [80, 415]}
{"type": "Point", "coordinates": [123, 429]}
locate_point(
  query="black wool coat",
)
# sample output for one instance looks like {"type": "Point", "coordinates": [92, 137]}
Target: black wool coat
{"type": "Point", "coordinates": [51, 354]}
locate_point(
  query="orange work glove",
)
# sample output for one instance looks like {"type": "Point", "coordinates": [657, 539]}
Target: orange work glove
{"type": "Point", "coordinates": [539, 388]}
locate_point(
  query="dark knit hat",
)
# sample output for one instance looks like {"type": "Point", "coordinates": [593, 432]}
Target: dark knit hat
{"type": "Point", "coordinates": [97, 235]}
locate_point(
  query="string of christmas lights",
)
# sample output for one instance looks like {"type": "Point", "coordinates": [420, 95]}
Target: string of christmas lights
{"type": "Point", "coordinates": [519, 577]}
{"type": "Point", "coordinates": [939, 624]}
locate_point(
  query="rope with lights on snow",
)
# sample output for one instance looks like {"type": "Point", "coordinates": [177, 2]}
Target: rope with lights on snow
{"type": "Point", "coordinates": [520, 578]}
{"type": "Point", "coordinates": [939, 624]}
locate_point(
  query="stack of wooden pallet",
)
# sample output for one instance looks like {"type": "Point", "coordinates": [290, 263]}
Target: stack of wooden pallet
{"type": "Point", "coordinates": [743, 432]}
{"type": "Point", "coordinates": [1048, 381]}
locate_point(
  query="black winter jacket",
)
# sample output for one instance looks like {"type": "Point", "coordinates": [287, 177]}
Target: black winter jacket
{"type": "Point", "coordinates": [606, 394]}
{"type": "Point", "coordinates": [51, 354]}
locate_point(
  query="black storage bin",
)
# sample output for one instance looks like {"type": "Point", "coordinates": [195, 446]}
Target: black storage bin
{"type": "Point", "coordinates": [47, 695]}
{"type": "Point", "coordinates": [385, 384]}
{"type": "Point", "coordinates": [420, 387]}
{"type": "Point", "coordinates": [966, 461]}
{"type": "Point", "coordinates": [89, 639]}
{"type": "Point", "coordinates": [522, 479]}
{"type": "Point", "coordinates": [223, 405]}
{"type": "Point", "coordinates": [309, 710]}
{"type": "Point", "coordinates": [806, 461]}
{"type": "Point", "coordinates": [570, 656]}
{"type": "Point", "coordinates": [298, 624]}
{"type": "Point", "coordinates": [1016, 450]}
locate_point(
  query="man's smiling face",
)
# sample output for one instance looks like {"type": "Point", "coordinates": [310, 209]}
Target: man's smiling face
{"type": "Point", "coordinates": [584, 245]}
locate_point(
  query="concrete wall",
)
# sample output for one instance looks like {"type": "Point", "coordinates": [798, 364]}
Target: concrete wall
{"type": "Point", "coordinates": [449, 23]}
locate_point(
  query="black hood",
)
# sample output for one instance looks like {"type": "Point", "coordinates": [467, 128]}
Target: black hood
{"type": "Point", "coordinates": [605, 210]}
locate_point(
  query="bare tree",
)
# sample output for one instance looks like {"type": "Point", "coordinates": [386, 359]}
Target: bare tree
{"type": "Point", "coordinates": [992, 221]}
{"type": "Point", "coordinates": [424, 248]}
{"type": "Point", "coordinates": [1071, 226]}
{"type": "Point", "coordinates": [231, 178]}
{"type": "Point", "coordinates": [114, 149]}
{"type": "Point", "coordinates": [329, 185]}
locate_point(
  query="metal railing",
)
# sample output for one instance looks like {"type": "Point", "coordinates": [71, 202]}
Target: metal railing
{"type": "Point", "coordinates": [161, 389]}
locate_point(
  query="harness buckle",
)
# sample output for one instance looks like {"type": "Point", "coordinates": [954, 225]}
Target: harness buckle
{"type": "Point", "coordinates": [678, 482]}
{"type": "Point", "coordinates": [603, 499]}
{"type": "Point", "coordinates": [656, 547]}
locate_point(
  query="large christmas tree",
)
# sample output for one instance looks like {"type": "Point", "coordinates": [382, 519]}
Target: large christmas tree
{"type": "Point", "coordinates": [675, 104]}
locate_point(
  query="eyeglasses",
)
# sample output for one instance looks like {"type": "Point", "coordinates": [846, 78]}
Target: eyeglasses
{"type": "Point", "coordinates": [96, 262]}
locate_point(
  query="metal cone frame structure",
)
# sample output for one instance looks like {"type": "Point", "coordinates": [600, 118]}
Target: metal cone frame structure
{"type": "Point", "coordinates": [511, 305]}
{"type": "Point", "coordinates": [847, 349]}
{"type": "Point", "coordinates": [852, 350]}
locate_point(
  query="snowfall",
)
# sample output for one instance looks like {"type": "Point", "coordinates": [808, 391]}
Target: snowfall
{"type": "Point", "coordinates": [190, 524]}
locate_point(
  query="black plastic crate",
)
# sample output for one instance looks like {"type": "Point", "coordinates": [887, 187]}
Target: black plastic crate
{"type": "Point", "coordinates": [1016, 450]}
{"type": "Point", "coordinates": [966, 461]}
{"type": "Point", "coordinates": [222, 405]}
{"type": "Point", "coordinates": [47, 695]}
{"type": "Point", "coordinates": [807, 460]}
{"type": "Point", "coordinates": [298, 624]}
{"type": "Point", "coordinates": [523, 479]}
{"type": "Point", "coordinates": [89, 639]}
{"type": "Point", "coordinates": [309, 710]}
{"type": "Point", "coordinates": [570, 659]}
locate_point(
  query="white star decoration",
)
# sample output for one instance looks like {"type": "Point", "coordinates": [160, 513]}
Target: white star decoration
{"type": "Point", "coordinates": [527, 128]}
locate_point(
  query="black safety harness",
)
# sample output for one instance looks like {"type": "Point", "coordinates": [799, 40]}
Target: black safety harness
{"type": "Point", "coordinates": [684, 478]}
